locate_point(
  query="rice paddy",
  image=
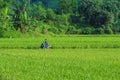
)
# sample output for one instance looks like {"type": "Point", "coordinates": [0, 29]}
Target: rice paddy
{"type": "Point", "coordinates": [71, 58]}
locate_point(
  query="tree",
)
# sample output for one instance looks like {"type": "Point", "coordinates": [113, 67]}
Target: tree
{"type": "Point", "coordinates": [66, 6]}
{"type": "Point", "coordinates": [100, 18]}
{"type": "Point", "coordinates": [50, 16]}
{"type": "Point", "coordinates": [87, 8]}
{"type": "Point", "coordinates": [4, 15]}
{"type": "Point", "coordinates": [20, 15]}
{"type": "Point", "coordinates": [37, 12]}
{"type": "Point", "coordinates": [112, 6]}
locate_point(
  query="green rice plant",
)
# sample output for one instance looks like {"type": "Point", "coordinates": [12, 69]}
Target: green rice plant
{"type": "Point", "coordinates": [59, 64]}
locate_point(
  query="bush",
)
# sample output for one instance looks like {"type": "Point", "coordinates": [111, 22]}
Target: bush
{"type": "Point", "coordinates": [87, 30]}
{"type": "Point", "coordinates": [50, 15]}
{"type": "Point", "coordinates": [71, 30]}
{"type": "Point", "coordinates": [11, 34]}
{"type": "Point", "coordinates": [62, 28]}
{"type": "Point", "coordinates": [116, 29]}
{"type": "Point", "coordinates": [100, 18]}
{"type": "Point", "coordinates": [53, 30]}
{"type": "Point", "coordinates": [99, 31]}
{"type": "Point", "coordinates": [79, 31]}
{"type": "Point", "coordinates": [1, 32]}
{"type": "Point", "coordinates": [44, 30]}
{"type": "Point", "coordinates": [108, 30]}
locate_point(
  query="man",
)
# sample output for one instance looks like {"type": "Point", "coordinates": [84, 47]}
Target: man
{"type": "Point", "coordinates": [46, 44]}
{"type": "Point", "coordinates": [42, 46]}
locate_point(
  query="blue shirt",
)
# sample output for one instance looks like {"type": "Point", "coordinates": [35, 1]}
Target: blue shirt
{"type": "Point", "coordinates": [46, 44]}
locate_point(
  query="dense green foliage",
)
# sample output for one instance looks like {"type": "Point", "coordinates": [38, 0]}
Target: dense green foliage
{"type": "Point", "coordinates": [59, 17]}
{"type": "Point", "coordinates": [62, 42]}
{"type": "Point", "coordinates": [60, 64]}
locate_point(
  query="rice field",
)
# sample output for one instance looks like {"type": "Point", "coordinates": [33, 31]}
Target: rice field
{"type": "Point", "coordinates": [60, 64]}
{"type": "Point", "coordinates": [71, 58]}
{"type": "Point", "coordinates": [62, 42]}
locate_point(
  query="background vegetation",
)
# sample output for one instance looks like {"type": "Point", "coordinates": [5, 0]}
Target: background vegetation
{"type": "Point", "coordinates": [35, 17]}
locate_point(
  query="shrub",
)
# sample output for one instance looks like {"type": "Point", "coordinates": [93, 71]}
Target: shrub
{"type": "Point", "coordinates": [99, 31]}
{"type": "Point", "coordinates": [53, 30]}
{"type": "Point", "coordinates": [11, 33]}
{"type": "Point", "coordinates": [87, 30]}
{"type": "Point", "coordinates": [1, 32]}
{"type": "Point", "coordinates": [44, 30]}
{"type": "Point", "coordinates": [62, 28]}
{"type": "Point", "coordinates": [79, 31]}
{"type": "Point", "coordinates": [116, 29]}
{"type": "Point", "coordinates": [108, 30]}
{"type": "Point", "coordinates": [71, 30]}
